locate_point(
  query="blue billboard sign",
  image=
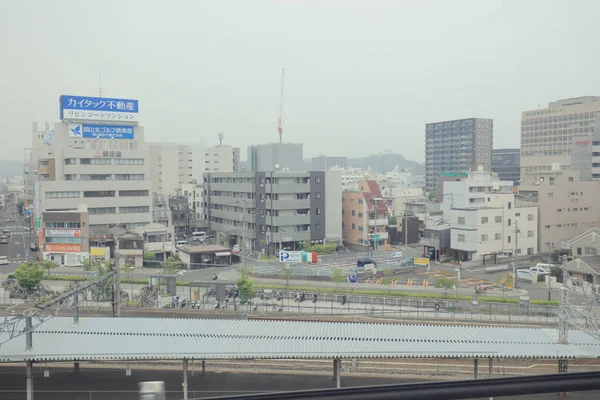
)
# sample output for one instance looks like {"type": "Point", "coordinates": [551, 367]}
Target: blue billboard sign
{"type": "Point", "coordinates": [80, 108]}
{"type": "Point", "coordinates": [89, 131]}
{"type": "Point", "coordinates": [27, 212]}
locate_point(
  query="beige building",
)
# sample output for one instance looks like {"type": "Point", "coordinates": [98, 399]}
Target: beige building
{"type": "Point", "coordinates": [567, 207]}
{"type": "Point", "coordinates": [547, 134]}
{"type": "Point", "coordinates": [64, 238]}
{"type": "Point", "coordinates": [585, 249]}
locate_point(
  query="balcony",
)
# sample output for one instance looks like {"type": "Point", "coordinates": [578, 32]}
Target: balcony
{"type": "Point", "coordinates": [234, 187]}
{"type": "Point", "coordinates": [289, 188]}
{"type": "Point", "coordinates": [289, 220]}
{"type": "Point", "coordinates": [288, 204]}
{"type": "Point", "coordinates": [378, 222]}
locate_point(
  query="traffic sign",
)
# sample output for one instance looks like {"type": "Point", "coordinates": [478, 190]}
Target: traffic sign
{"type": "Point", "coordinates": [26, 253]}
{"type": "Point", "coordinates": [37, 222]}
{"type": "Point", "coordinates": [396, 254]}
{"type": "Point", "coordinates": [290, 256]}
{"type": "Point", "coordinates": [375, 236]}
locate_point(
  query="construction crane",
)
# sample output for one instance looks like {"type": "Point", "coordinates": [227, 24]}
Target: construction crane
{"type": "Point", "coordinates": [280, 119]}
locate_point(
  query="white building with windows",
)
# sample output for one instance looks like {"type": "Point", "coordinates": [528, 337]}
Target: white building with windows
{"type": "Point", "coordinates": [109, 176]}
{"type": "Point", "coordinates": [484, 219]}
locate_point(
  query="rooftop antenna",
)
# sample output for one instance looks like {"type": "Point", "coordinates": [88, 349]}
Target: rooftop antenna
{"type": "Point", "coordinates": [100, 91]}
{"type": "Point", "coordinates": [280, 119]}
{"type": "Point", "coordinates": [221, 135]}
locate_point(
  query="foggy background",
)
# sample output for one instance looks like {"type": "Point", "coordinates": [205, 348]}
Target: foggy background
{"type": "Point", "coordinates": [361, 76]}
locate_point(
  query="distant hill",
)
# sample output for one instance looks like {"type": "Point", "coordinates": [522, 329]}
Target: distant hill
{"type": "Point", "coordinates": [387, 162]}
{"type": "Point", "coordinates": [11, 168]}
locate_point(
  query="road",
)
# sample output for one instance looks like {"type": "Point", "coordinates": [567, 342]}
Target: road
{"type": "Point", "coordinates": [18, 246]}
{"type": "Point", "coordinates": [105, 384]}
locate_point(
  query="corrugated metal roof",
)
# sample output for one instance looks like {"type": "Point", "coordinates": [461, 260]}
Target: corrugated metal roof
{"type": "Point", "coordinates": [159, 338]}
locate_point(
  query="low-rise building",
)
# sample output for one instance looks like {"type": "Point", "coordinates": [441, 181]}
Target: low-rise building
{"type": "Point", "coordinates": [64, 237]}
{"type": "Point", "coordinates": [158, 239]}
{"type": "Point", "coordinates": [365, 217]}
{"type": "Point", "coordinates": [129, 247]}
{"type": "Point", "coordinates": [195, 257]}
{"type": "Point", "coordinates": [485, 220]}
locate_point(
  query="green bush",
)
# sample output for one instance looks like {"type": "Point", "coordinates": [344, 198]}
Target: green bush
{"type": "Point", "coordinates": [321, 249]}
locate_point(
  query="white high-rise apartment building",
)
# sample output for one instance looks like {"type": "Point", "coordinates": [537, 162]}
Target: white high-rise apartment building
{"type": "Point", "coordinates": [172, 165]}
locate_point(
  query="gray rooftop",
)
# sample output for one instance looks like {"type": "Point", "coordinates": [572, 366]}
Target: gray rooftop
{"type": "Point", "coordinates": [159, 338]}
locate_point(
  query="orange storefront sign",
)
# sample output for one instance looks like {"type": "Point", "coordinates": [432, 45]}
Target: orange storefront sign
{"type": "Point", "coordinates": [63, 248]}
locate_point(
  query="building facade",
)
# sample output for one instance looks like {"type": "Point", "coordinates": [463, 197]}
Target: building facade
{"type": "Point", "coordinates": [64, 237]}
{"type": "Point", "coordinates": [457, 146]}
{"type": "Point", "coordinates": [485, 219]}
{"type": "Point", "coordinates": [365, 216]}
{"type": "Point", "coordinates": [109, 176]}
{"type": "Point", "coordinates": [266, 210]}
{"type": "Point", "coordinates": [506, 163]}
{"type": "Point", "coordinates": [322, 163]}
{"type": "Point", "coordinates": [547, 134]}
{"type": "Point", "coordinates": [172, 165]}
{"type": "Point", "coordinates": [283, 157]}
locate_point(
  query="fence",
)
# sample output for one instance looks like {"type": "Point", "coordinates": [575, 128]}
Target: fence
{"type": "Point", "coordinates": [116, 394]}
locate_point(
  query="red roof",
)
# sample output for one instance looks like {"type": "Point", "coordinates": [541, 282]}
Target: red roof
{"type": "Point", "coordinates": [373, 191]}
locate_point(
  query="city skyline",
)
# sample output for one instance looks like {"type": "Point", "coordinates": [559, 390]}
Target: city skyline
{"type": "Point", "coordinates": [321, 108]}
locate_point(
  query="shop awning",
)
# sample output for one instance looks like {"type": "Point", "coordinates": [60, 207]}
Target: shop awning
{"type": "Point", "coordinates": [223, 254]}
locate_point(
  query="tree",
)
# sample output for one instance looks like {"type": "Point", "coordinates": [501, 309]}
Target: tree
{"type": "Point", "coordinates": [99, 267]}
{"type": "Point", "coordinates": [387, 278]}
{"type": "Point", "coordinates": [29, 276]}
{"type": "Point", "coordinates": [445, 283]}
{"type": "Point", "coordinates": [246, 289]}
{"type": "Point", "coordinates": [49, 266]}
{"type": "Point", "coordinates": [172, 266]}
{"type": "Point", "coordinates": [507, 281]}
{"type": "Point", "coordinates": [286, 274]}
{"type": "Point", "coordinates": [338, 277]}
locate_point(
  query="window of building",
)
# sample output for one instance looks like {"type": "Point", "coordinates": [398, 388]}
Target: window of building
{"type": "Point", "coordinates": [529, 234]}
{"type": "Point", "coordinates": [498, 219]}
{"type": "Point", "coordinates": [60, 240]}
{"type": "Point", "coordinates": [509, 222]}
{"type": "Point", "coordinates": [497, 236]}
{"type": "Point", "coordinates": [61, 195]}
{"type": "Point", "coordinates": [461, 221]}
{"type": "Point", "coordinates": [484, 237]}
{"type": "Point", "coordinates": [95, 177]}
{"type": "Point", "coordinates": [134, 209]}
{"type": "Point", "coordinates": [360, 201]}
{"type": "Point", "coordinates": [509, 205]}
{"type": "Point", "coordinates": [590, 251]}
{"type": "Point", "coordinates": [70, 161]}
{"type": "Point", "coordinates": [484, 220]}
{"type": "Point", "coordinates": [318, 227]}
{"type": "Point", "coordinates": [353, 226]}
{"type": "Point", "coordinates": [318, 179]}
{"type": "Point", "coordinates": [518, 251]}
{"type": "Point", "coordinates": [570, 179]}
{"type": "Point", "coordinates": [129, 177]}
{"type": "Point", "coordinates": [461, 238]}
{"type": "Point", "coordinates": [559, 210]}
{"type": "Point", "coordinates": [508, 238]}
{"type": "Point", "coordinates": [550, 194]}
{"type": "Point", "coordinates": [94, 161]}
{"type": "Point", "coordinates": [360, 214]}
{"type": "Point", "coordinates": [133, 193]}
{"type": "Point", "coordinates": [99, 193]}
{"type": "Point", "coordinates": [318, 195]}
{"type": "Point", "coordinates": [129, 161]}
{"type": "Point", "coordinates": [530, 251]}
{"type": "Point", "coordinates": [530, 217]}
{"type": "Point", "coordinates": [579, 252]}
{"type": "Point", "coordinates": [102, 210]}
{"type": "Point", "coordinates": [353, 213]}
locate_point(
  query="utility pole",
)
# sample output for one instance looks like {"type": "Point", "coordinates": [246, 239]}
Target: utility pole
{"type": "Point", "coordinates": [515, 259]}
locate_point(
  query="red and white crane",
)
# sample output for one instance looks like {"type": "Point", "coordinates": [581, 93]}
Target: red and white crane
{"type": "Point", "coordinates": [280, 119]}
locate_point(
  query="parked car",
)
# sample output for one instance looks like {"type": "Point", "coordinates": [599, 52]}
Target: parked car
{"type": "Point", "coordinates": [6, 233]}
{"type": "Point", "coordinates": [33, 247]}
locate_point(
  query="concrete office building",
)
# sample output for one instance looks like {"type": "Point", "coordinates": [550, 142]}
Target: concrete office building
{"type": "Point", "coordinates": [322, 163]}
{"type": "Point", "coordinates": [506, 163]}
{"type": "Point", "coordinates": [283, 157]}
{"type": "Point", "coordinates": [64, 238]}
{"type": "Point", "coordinates": [97, 159]}
{"type": "Point", "coordinates": [265, 208]}
{"type": "Point", "coordinates": [172, 165]}
{"type": "Point", "coordinates": [547, 134]}
{"type": "Point", "coordinates": [457, 146]}
{"type": "Point", "coordinates": [483, 217]}
{"type": "Point", "coordinates": [567, 207]}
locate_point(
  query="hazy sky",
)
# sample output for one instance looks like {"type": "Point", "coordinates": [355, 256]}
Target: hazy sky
{"type": "Point", "coordinates": [361, 76]}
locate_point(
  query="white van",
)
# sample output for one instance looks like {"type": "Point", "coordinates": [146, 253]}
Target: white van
{"type": "Point", "coordinates": [182, 243]}
{"type": "Point", "coordinates": [542, 269]}
{"type": "Point", "coordinates": [199, 235]}
{"type": "Point", "coordinates": [3, 260]}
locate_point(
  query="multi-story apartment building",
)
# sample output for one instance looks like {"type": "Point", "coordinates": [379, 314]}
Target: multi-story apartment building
{"type": "Point", "coordinates": [322, 163]}
{"type": "Point", "coordinates": [567, 207]}
{"type": "Point", "coordinates": [263, 209]}
{"type": "Point", "coordinates": [275, 157]}
{"type": "Point", "coordinates": [65, 238]}
{"type": "Point", "coordinates": [485, 220]}
{"type": "Point", "coordinates": [97, 159]}
{"type": "Point", "coordinates": [457, 146]}
{"type": "Point", "coordinates": [506, 163]}
{"type": "Point", "coordinates": [585, 156]}
{"type": "Point", "coordinates": [194, 193]}
{"type": "Point", "coordinates": [172, 165]}
{"type": "Point", "coordinates": [547, 134]}
{"type": "Point", "coordinates": [365, 216]}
